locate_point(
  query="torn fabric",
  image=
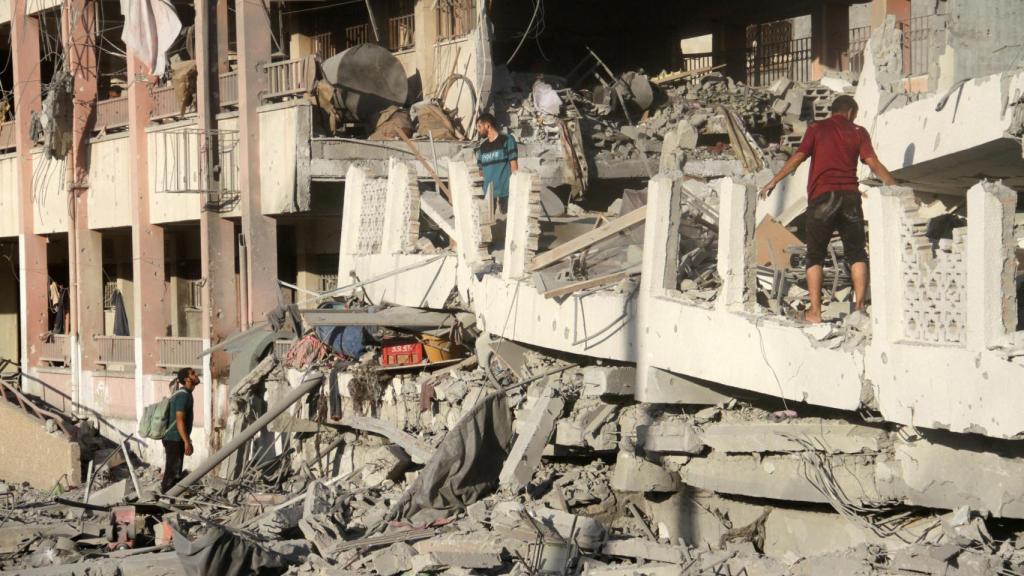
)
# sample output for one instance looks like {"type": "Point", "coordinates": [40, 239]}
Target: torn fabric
{"type": "Point", "coordinates": [150, 28]}
{"type": "Point", "coordinates": [465, 466]}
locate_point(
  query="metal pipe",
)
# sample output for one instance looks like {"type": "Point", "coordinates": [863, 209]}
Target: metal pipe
{"type": "Point", "coordinates": [307, 385]}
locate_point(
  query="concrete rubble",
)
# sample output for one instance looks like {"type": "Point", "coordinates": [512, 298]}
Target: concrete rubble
{"type": "Point", "coordinates": [400, 435]}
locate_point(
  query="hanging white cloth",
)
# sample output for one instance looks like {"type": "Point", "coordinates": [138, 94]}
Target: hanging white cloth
{"type": "Point", "coordinates": [150, 28]}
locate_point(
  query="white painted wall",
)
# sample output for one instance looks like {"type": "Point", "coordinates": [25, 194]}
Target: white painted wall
{"type": "Point", "coordinates": [109, 199]}
{"type": "Point", "coordinates": [9, 204]}
{"type": "Point", "coordinates": [49, 197]}
{"type": "Point", "coordinates": [167, 159]}
{"type": "Point", "coordinates": [277, 159]}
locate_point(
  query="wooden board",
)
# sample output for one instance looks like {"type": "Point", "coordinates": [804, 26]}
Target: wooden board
{"type": "Point", "coordinates": [588, 239]}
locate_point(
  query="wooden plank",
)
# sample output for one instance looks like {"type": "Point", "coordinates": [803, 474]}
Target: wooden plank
{"type": "Point", "coordinates": [423, 161]}
{"type": "Point", "coordinates": [439, 211]}
{"type": "Point", "coordinates": [591, 283]}
{"type": "Point", "coordinates": [589, 239]}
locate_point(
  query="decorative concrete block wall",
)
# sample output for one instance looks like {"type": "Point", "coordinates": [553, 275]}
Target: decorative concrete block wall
{"type": "Point", "coordinates": [935, 282]}
{"type": "Point", "coordinates": [401, 225]}
{"type": "Point", "coordinates": [522, 228]}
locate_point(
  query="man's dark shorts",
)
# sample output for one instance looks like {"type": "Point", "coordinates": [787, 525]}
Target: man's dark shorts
{"type": "Point", "coordinates": [835, 211]}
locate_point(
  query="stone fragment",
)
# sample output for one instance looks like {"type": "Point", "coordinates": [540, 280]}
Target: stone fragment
{"type": "Point", "coordinates": [534, 430]}
{"type": "Point", "coordinates": [608, 380]}
{"type": "Point", "coordinates": [394, 559]}
{"type": "Point", "coordinates": [634, 474]}
{"type": "Point", "coordinates": [673, 436]}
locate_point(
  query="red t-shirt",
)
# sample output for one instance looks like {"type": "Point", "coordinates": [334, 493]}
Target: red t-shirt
{"type": "Point", "coordinates": [834, 145]}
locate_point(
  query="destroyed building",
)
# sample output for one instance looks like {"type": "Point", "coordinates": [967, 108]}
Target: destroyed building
{"type": "Point", "coordinates": [610, 378]}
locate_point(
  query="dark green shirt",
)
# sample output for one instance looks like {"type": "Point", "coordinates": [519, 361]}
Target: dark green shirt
{"type": "Point", "coordinates": [181, 401]}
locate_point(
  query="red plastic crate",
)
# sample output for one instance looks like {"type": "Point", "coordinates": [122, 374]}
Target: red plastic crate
{"type": "Point", "coordinates": [403, 353]}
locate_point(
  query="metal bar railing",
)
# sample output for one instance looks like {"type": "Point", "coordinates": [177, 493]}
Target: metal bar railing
{"type": "Point", "coordinates": [855, 51]}
{"type": "Point", "coordinates": [358, 34]}
{"type": "Point", "coordinates": [115, 350]}
{"type": "Point", "coordinates": [401, 32]}
{"type": "Point", "coordinates": [179, 352]}
{"type": "Point", "coordinates": [7, 136]}
{"type": "Point", "coordinates": [917, 35]}
{"type": "Point", "coordinates": [56, 349]}
{"type": "Point", "coordinates": [165, 104]}
{"type": "Point", "coordinates": [770, 61]}
{"type": "Point", "coordinates": [287, 78]}
{"type": "Point", "coordinates": [111, 114]}
{"type": "Point", "coordinates": [228, 89]}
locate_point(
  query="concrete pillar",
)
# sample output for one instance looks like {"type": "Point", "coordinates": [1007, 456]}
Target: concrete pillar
{"type": "Point", "coordinates": [223, 35]}
{"type": "Point", "coordinates": [736, 248]}
{"type": "Point", "coordinates": [885, 209]}
{"type": "Point", "coordinates": [900, 9]}
{"type": "Point", "coordinates": [90, 294]}
{"type": "Point", "coordinates": [520, 244]}
{"type": "Point", "coordinates": [8, 309]}
{"type": "Point", "coordinates": [830, 37]}
{"type": "Point", "coordinates": [661, 237]}
{"type": "Point", "coordinates": [32, 264]}
{"type": "Point", "coordinates": [253, 32]}
{"type": "Point", "coordinates": [217, 234]}
{"type": "Point", "coordinates": [991, 265]}
{"type": "Point", "coordinates": [662, 203]}
{"type": "Point", "coordinates": [730, 41]}
{"type": "Point", "coordinates": [149, 293]}
{"type": "Point", "coordinates": [401, 210]}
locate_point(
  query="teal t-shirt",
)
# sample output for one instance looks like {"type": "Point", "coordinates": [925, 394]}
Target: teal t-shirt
{"type": "Point", "coordinates": [181, 401]}
{"type": "Point", "coordinates": [494, 160]}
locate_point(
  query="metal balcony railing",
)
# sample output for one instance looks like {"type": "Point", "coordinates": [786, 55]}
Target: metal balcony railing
{"type": "Point", "coordinates": [57, 349]}
{"type": "Point", "coordinates": [7, 136]}
{"type": "Point", "coordinates": [115, 350]}
{"type": "Point", "coordinates": [112, 114]}
{"type": "Point", "coordinates": [324, 46]}
{"type": "Point", "coordinates": [181, 152]}
{"type": "Point", "coordinates": [179, 352]}
{"type": "Point", "coordinates": [401, 32]}
{"type": "Point", "coordinates": [165, 105]}
{"type": "Point", "coordinates": [289, 78]}
{"type": "Point", "coordinates": [228, 89]}
{"type": "Point", "coordinates": [359, 34]}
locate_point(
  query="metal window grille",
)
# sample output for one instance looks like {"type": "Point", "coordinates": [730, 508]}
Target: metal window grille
{"type": "Point", "coordinates": [455, 18]}
{"type": "Point", "coordinates": [855, 52]}
{"type": "Point", "coordinates": [769, 61]}
{"type": "Point", "coordinates": [328, 282]}
{"type": "Point", "coordinates": [180, 154]}
{"type": "Point", "coordinates": [108, 294]}
{"type": "Point", "coordinates": [194, 295]}
{"type": "Point", "coordinates": [401, 32]}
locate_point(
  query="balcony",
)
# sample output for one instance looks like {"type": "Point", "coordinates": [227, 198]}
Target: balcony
{"type": "Point", "coordinates": [401, 33]}
{"type": "Point", "coordinates": [288, 78]}
{"type": "Point", "coordinates": [166, 106]}
{"type": "Point", "coordinates": [56, 350]}
{"type": "Point", "coordinates": [7, 136]}
{"type": "Point", "coordinates": [177, 353]}
{"type": "Point", "coordinates": [115, 351]}
{"type": "Point", "coordinates": [112, 114]}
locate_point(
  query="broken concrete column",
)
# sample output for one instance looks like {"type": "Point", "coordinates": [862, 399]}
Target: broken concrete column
{"type": "Point", "coordinates": [533, 433]}
{"type": "Point", "coordinates": [675, 436]}
{"type": "Point", "coordinates": [467, 203]}
{"type": "Point", "coordinates": [608, 381]}
{"type": "Point", "coordinates": [736, 247]}
{"type": "Point", "coordinates": [991, 264]}
{"type": "Point", "coordinates": [355, 178]}
{"type": "Point", "coordinates": [522, 227]}
{"type": "Point", "coordinates": [885, 209]}
{"type": "Point", "coordinates": [401, 210]}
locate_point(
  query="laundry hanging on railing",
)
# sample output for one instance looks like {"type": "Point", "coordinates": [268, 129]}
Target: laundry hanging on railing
{"type": "Point", "coordinates": [150, 28]}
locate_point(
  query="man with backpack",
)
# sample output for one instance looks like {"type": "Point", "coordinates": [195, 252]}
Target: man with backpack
{"type": "Point", "coordinates": [178, 440]}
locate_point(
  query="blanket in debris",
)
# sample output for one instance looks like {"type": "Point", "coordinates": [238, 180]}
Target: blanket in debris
{"type": "Point", "coordinates": [465, 466]}
{"type": "Point", "coordinates": [219, 551]}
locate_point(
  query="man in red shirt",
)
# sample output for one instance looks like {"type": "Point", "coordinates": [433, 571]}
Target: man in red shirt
{"type": "Point", "coordinates": [833, 198]}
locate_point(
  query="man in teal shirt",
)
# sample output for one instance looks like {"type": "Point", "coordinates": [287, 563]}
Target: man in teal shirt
{"type": "Point", "coordinates": [498, 158]}
{"type": "Point", "coordinates": [178, 439]}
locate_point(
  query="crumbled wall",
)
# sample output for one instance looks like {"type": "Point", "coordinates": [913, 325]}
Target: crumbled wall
{"type": "Point", "coordinates": [28, 453]}
{"type": "Point", "coordinates": [986, 36]}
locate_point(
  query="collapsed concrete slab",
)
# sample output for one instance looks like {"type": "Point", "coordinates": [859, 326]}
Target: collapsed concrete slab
{"type": "Point", "coordinates": [54, 458]}
{"type": "Point", "coordinates": [533, 433]}
{"type": "Point", "coordinates": [829, 437]}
